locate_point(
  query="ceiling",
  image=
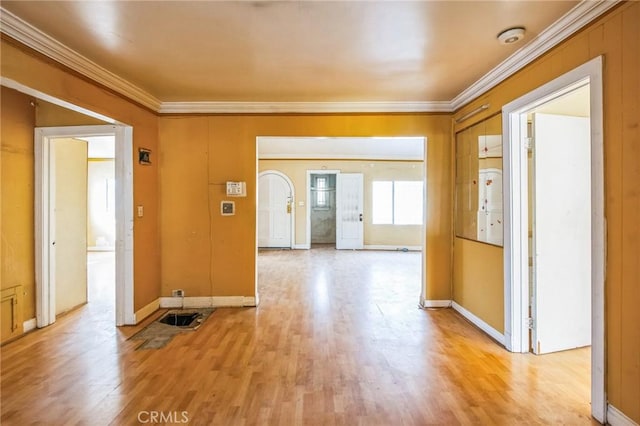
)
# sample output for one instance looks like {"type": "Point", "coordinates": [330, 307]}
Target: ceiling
{"type": "Point", "coordinates": [290, 51]}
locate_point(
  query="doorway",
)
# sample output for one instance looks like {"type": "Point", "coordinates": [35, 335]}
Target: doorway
{"type": "Point", "coordinates": [559, 170]}
{"type": "Point", "coordinates": [48, 229]}
{"type": "Point", "coordinates": [363, 161]}
{"type": "Point", "coordinates": [322, 207]}
{"type": "Point", "coordinates": [101, 223]}
{"type": "Point", "coordinates": [532, 287]}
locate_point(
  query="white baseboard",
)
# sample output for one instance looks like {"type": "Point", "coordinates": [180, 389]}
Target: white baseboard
{"type": "Point", "coordinates": [146, 311]}
{"type": "Point", "coordinates": [495, 334]}
{"type": "Point", "coordinates": [391, 247]}
{"type": "Point", "coordinates": [616, 417]}
{"type": "Point", "coordinates": [29, 325]}
{"type": "Point", "coordinates": [207, 302]}
{"type": "Point", "coordinates": [301, 247]}
{"type": "Point", "coordinates": [436, 303]}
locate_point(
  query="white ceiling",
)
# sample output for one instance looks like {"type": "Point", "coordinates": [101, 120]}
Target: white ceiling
{"type": "Point", "coordinates": [173, 56]}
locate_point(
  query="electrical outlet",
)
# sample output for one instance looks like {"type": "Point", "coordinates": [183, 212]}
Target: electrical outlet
{"type": "Point", "coordinates": [177, 293]}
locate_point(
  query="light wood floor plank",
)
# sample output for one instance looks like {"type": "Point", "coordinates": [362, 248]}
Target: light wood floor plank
{"type": "Point", "coordinates": [338, 339]}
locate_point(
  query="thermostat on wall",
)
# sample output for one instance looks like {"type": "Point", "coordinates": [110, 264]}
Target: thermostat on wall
{"type": "Point", "coordinates": [236, 189]}
{"type": "Point", "coordinates": [227, 208]}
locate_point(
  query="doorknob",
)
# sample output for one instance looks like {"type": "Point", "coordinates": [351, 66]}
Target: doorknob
{"type": "Point", "coordinates": [360, 217]}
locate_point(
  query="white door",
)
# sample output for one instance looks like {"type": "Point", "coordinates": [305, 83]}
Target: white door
{"type": "Point", "coordinates": [274, 211]}
{"type": "Point", "coordinates": [349, 211]}
{"type": "Point", "coordinates": [561, 233]}
{"type": "Point", "coordinates": [68, 235]}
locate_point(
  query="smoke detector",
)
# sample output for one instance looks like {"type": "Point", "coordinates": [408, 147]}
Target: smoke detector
{"type": "Point", "coordinates": [511, 35]}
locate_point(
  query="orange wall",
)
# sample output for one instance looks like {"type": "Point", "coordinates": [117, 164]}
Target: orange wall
{"type": "Point", "coordinates": [616, 36]}
{"type": "Point", "coordinates": [478, 283]}
{"type": "Point", "coordinates": [17, 214]}
{"type": "Point", "coordinates": [207, 254]}
{"type": "Point", "coordinates": [30, 69]}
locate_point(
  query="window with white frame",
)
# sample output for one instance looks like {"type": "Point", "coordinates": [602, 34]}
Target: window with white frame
{"type": "Point", "coordinates": [321, 191]}
{"type": "Point", "coordinates": [397, 202]}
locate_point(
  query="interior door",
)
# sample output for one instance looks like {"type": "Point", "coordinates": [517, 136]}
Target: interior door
{"type": "Point", "coordinates": [274, 211]}
{"type": "Point", "coordinates": [561, 233]}
{"type": "Point", "coordinates": [349, 211]}
{"type": "Point", "coordinates": [68, 236]}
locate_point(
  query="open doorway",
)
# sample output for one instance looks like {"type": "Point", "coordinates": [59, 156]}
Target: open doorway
{"type": "Point", "coordinates": [101, 223]}
{"type": "Point", "coordinates": [559, 170]}
{"type": "Point", "coordinates": [339, 181]}
{"type": "Point", "coordinates": [554, 221]}
{"type": "Point", "coordinates": [62, 219]}
{"type": "Point", "coordinates": [321, 217]}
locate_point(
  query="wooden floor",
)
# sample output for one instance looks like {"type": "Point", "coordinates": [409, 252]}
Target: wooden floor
{"type": "Point", "coordinates": [338, 339]}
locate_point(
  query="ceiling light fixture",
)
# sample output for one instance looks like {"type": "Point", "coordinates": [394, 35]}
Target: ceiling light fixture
{"type": "Point", "coordinates": [511, 35]}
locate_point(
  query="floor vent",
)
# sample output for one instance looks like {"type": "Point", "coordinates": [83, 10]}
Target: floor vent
{"type": "Point", "coordinates": [187, 320]}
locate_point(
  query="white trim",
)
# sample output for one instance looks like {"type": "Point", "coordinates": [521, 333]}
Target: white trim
{"type": "Point", "coordinates": [302, 247]}
{"type": "Point", "coordinates": [12, 84]}
{"type": "Point", "coordinates": [495, 334]}
{"type": "Point", "coordinates": [34, 38]}
{"type": "Point", "coordinates": [29, 325]}
{"type": "Point", "coordinates": [423, 228]}
{"type": "Point", "coordinates": [292, 219]}
{"type": "Point", "coordinates": [572, 21]}
{"type": "Point", "coordinates": [41, 206]}
{"type": "Point", "coordinates": [616, 417]}
{"type": "Point", "coordinates": [516, 261]}
{"type": "Point", "coordinates": [147, 310]}
{"type": "Point", "coordinates": [124, 226]}
{"type": "Point", "coordinates": [207, 302]}
{"type": "Point", "coordinates": [45, 272]}
{"type": "Point", "coordinates": [302, 107]}
{"type": "Point", "coordinates": [578, 17]}
{"type": "Point", "coordinates": [391, 247]}
{"type": "Point", "coordinates": [435, 303]}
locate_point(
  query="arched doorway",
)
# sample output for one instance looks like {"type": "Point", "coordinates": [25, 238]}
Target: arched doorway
{"type": "Point", "coordinates": [275, 210]}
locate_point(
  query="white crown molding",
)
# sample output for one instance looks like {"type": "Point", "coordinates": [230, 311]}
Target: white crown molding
{"type": "Point", "coordinates": [583, 13]}
{"type": "Point", "coordinates": [572, 21]}
{"type": "Point", "coordinates": [32, 37]}
{"type": "Point", "coordinates": [302, 107]}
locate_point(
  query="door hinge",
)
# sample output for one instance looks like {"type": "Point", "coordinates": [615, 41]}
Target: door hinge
{"type": "Point", "coordinates": [528, 144]}
{"type": "Point", "coordinates": [530, 323]}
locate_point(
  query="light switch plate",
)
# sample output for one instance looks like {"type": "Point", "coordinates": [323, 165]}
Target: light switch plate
{"type": "Point", "coordinates": [227, 208]}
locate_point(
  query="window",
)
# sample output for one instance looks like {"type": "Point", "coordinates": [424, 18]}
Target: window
{"type": "Point", "coordinates": [397, 203]}
{"type": "Point", "coordinates": [321, 191]}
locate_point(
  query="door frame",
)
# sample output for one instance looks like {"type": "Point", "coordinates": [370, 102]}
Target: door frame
{"type": "Point", "coordinates": [516, 258]}
{"type": "Point", "coordinates": [292, 218]}
{"type": "Point", "coordinates": [44, 255]}
{"type": "Point", "coordinates": [307, 244]}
